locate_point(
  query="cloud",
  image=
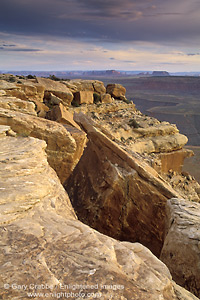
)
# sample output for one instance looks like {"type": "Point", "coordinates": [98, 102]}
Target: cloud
{"type": "Point", "coordinates": [7, 47]}
{"type": "Point", "coordinates": [19, 49]}
{"type": "Point", "coordinates": [193, 54]}
{"type": "Point", "coordinates": [113, 20]}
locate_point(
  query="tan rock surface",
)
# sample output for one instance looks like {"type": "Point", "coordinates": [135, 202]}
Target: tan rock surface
{"type": "Point", "coordinates": [46, 250]}
{"type": "Point", "coordinates": [174, 160]}
{"type": "Point", "coordinates": [61, 115]}
{"type": "Point", "coordinates": [57, 88]}
{"type": "Point", "coordinates": [106, 98]}
{"type": "Point", "coordinates": [5, 85]}
{"type": "Point", "coordinates": [61, 149]}
{"type": "Point", "coordinates": [181, 249]}
{"type": "Point", "coordinates": [118, 194]}
{"type": "Point", "coordinates": [16, 104]}
{"type": "Point", "coordinates": [116, 90]}
{"type": "Point", "coordinates": [86, 85]}
{"type": "Point", "coordinates": [83, 97]}
{"type": "Point", "coordinates": [27, 90]}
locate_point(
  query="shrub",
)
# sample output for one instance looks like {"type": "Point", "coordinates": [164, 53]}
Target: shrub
{"type": "Point", "coordinates": [97, 98]}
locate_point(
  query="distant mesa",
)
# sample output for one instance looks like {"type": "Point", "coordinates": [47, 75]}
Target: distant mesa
{"type": "Point", "coordinates": [160, 73]}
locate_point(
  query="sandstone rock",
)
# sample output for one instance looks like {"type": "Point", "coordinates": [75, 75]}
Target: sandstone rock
{"type": "Point", "coordinates": [106, 98]}
{"type": "Point", "coordinates": [32, 90]}
{"type": "Point", "coordinates": [83, 97]}
{"type": "Point", "coordinates": [2, 93]}
{"type": "Point", "coordinates": [28, 90]}
{"type": "Point", "coordinates": [13, 103]}
{"type": "Point", "coordinates": [116, 90]}
{"type": "Point", "coordinates": [57, 88]}
{"type": "Point", "coordinates": [61, 115]}
{"type": "Point", "coordinates": [99, 87]}
{"type": "Point", "coordinates": [87, 85]}
{"type": "Point", "coordinates": [41, 108]}
{"type": "Point", "coordinates": [47, 251]}
{"type": "Point", "coordinates": [54, 100]}
{"type": "Point", "coordinates": [174, 160]}
{"type": "Point", "coordinates": [116, 193]}
{"type": "Point", "coordinates": [61, 146]}
{"type": "Point", "coordinates": [4, 130]}
{"type": "Point", "coordinates": [4, 85]}
{"type": "Point", "coordinates": [181, 249]}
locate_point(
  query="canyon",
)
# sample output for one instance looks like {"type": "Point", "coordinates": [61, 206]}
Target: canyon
{"type": "Point", "coordinates": [93, 197]}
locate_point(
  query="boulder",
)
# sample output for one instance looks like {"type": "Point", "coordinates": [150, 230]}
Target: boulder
{"type": "Point", "coordinates": [57, 88]}
{"type": "Point", "coordinates": [47, 253]}
{"type": "Point", "coordinates": [61, 115]}
{"type": "Point", "coordinates": [106, 98]}
{"type": "Point", "coordinates": [87, 85]}
{"type": "Point", "coordinates": [116, 193]}
{"type": "Point", "coordinates": [61, 149]}
{"type": "Point", "coordinates": [181, 249]}
{"type": "Point", "coordinates": [83, 97]}
{"type": "Point", "coordinates": [117, 91]}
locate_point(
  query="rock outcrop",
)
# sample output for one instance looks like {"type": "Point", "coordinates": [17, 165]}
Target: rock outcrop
{"type": "Point", "coordinates": [83, 97]}
{"type": "Point", "coordinates": [56, 88]}
{"type": "Point", "coordinates": [62, 149]}
{"type": "Point", "coordinates": [117, 91]}
{"type": "Point", "coordinates": [26, 90]}
{"type": "Point", "coordinates": [181, 249]}
{"type": "Point", "coordinates": [119, 184]}
{"type": "Point", "coordinates": [47, 253]}
{"type": "Point", "coordinates": [117, 193]}
{"type": "Point", "coordinates": [13, 103]}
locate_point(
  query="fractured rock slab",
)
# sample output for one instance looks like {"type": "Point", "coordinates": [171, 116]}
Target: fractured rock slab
{"type": "Point", "coordinates": [181, 249]}
{"type": "Point", "coordinates": [46, 250]}
{"type": "Point", "coordinates": [57, 88]}
{"type": "Point", "coordinates": [83, 97]}
{"type": "Point", "coordinates": [116, 193]}
{"type": "Point", "coordinates": [61, 149]}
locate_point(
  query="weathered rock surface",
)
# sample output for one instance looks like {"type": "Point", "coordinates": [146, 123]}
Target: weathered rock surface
{"type": "Point", "coordinates": [62, 149]}
{"type": "Point", "coordinates": [118, 194]}
{"type": "Point", "coordinates": [106, 98]}
{"type": "Point", "coordinates": [174, 160]}
{"type": "Point", "coordinates": [78, 85]}
{"type": "Point", "coordinates": [116, 90]}
{"type": "Point", "coordinates": [184, 184]}
{"type": "Point", "coordinates": [16, 104]}
{"type": "Point", "coordinates": [57, 88]}
{"type": "Point", "coordinates": [61, 115]}
{"type": "Point", "coordinates": [83, 97]}
{"type": "Point", "coordinates": [47, 251]}
{"type": "Point", "coordinates": [27, 90]}
{"type": "Point", "coordinates": [181, 249]}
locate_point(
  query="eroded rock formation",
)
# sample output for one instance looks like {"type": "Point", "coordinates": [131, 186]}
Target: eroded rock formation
{"type": "Point", "coordinates": [116, 193]}
{"type": "Point", "coordinates": [63, 150]}
{"type": "Point", "coordinates": [129, 169]}
{"type": "Point", "coordinates": [47, 251]}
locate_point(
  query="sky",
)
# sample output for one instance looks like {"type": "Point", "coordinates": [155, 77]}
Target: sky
{"type": "Point", "coordinates": [100, 35]}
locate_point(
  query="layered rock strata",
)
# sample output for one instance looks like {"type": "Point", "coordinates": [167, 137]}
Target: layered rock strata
{"type": "Point", "coordinates": [63, 150]}
{"type": "Point", "coordinates": [47, 253]}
